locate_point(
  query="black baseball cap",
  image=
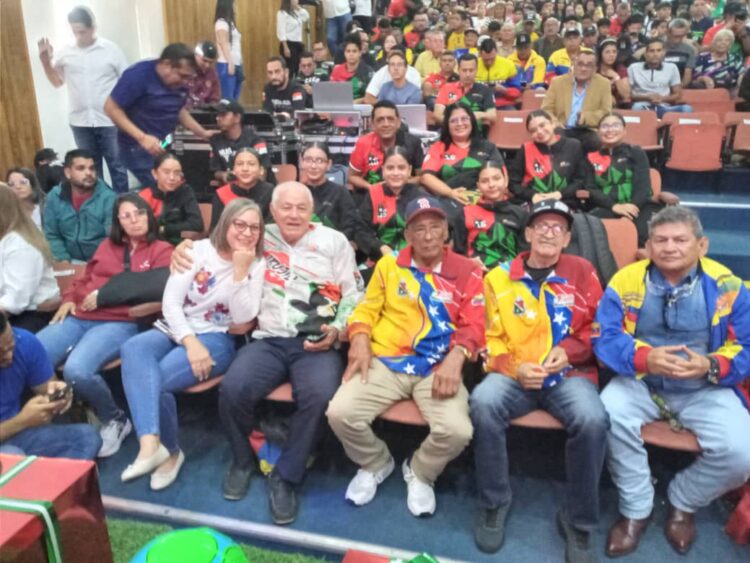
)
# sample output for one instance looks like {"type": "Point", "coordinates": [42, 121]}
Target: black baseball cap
{"type": "Point", "coordinates": [572, 31]}
{"type": "Point", "coordinates": [229, 106]}
{"type": "Point", "coordinates": [530, 17]}
{"type": "Point", "coordinates": [523, 40]}
{"type": "Point", "coordinates": [550, 206]}
{"type": "Point", "coordinates": [207, 49]}
{"type": "Point", "coordinates": [422, 205]}
{"type": "Point", "coordinates": [736, 9]}
{"type": "Point", "coordinates": [591, 30]}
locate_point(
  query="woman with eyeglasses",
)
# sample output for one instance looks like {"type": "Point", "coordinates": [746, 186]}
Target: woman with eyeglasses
{"type": "Point", "coordinates": [619, 180]}
{"type": "Point", "coordinates": [549, 166]}
{"type": "Point", "coordinates": [25, 185]}
{"type": "Point", "coordinates": [172, 200]}
{"type": "Point", "coordinates": [222, 288]}
{"type": "Point", "coordinates": [491, 230]}
{"type": "Point", "coordinates": [451, 168]}
{"type": "Point", "coordinates": [719, 67]}
{"type": "Point", "coordinates": [87, 330]}
{"type": "Point", "coordinates": [247, 182]}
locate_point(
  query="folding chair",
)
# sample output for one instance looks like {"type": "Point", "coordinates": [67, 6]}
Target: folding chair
{"type": "Point", "coordinates": [738, 134]}
{"type": "Point", "coordinates": [532, 99]}
{"type": "Point", "coordinates": [696, 148]}
{"type": "Point", "coordinates": [509, 132]}
{"type": "Point", "coordinates": [642, 129]}
{"type": "Point", "coordinates": [623, 240]}
{"type": "Point", "coordinates": [285, 172]}
{"type": "Point", "coordinates": [696, 118]}
{"type": "Point", "coordinates": [716, 100]}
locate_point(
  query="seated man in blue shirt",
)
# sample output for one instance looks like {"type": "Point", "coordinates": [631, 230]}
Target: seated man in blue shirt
{"type": "Point", "coordinates": [399, 90]}
{"type": "Point", "coordinates": [27, 429]}
{"type": "Point", "coordinates": [677, 331]}
{"type": "Point", "coordinates": [146, 104]}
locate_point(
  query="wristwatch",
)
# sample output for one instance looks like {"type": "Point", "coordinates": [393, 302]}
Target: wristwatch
{"type": "Point", "coordinates": [714, 370]}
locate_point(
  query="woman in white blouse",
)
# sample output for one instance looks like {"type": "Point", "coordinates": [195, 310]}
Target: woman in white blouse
{"type": "Point", "coordinates": [24, 183]}
{"type": "Point", "coordinates": [229, 41]}
{"type": "Point", "coordinates": [290, 22]}
{"type": "Point", "coordinates": [26, 276]}
{"type": "Point", "coordinates": [222, 288]}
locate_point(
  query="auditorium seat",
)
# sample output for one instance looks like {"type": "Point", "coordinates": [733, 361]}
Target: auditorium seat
{"type": "Point", "coordinates": [509, 132]}
{"type": "Point", "coordinates": [532, 99]}
{"type": "Point", "coordinates": [659, 196]}
{"type": "Point", "coordinates": [642, 129]}
{"type": "Point", "coordinates": [672, 118]}
{"type": "Point", "coordinates": [715, 100]}
{"type": "Point", "coordinates": [206, 214]}
{"type": "Point", "coordinates": [285, 172]}
{"type": "Point", "coordinates": [623, 240]}
{"type": "Point", "coordinates": [738, 134]}
{"type": "Point", "coordinates": [696, 148]}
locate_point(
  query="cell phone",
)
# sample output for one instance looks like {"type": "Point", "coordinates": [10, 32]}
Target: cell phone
{"type": "Point", "coordinates": [316, 337]}
{"type": "Point", "coordinates": [167, 141]}
{"type": "Point", "coordinates": [59, 393]}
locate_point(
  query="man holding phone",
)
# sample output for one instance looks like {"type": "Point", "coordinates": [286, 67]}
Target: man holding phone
{"type": "Point", "coordinates": [28, 429]}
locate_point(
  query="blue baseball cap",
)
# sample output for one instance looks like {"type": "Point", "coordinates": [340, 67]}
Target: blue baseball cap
{"type": "Point", "coordinates": [422, 205]}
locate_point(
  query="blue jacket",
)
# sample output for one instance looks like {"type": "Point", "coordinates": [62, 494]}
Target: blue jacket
{"type": "Point", "coordinates": [76, 235]}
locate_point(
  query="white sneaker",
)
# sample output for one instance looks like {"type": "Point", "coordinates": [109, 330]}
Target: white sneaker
{"type": "Point", "coordinates": [420, 496]}
{"type": "Point", "coordinates": [113, 433]}
{"type": "Point", "coordinates": [363, 487]}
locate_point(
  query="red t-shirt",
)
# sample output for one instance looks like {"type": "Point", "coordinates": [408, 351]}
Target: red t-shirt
{"type": "Point", "coordinates": [77, 200]}
{"type": "Point", "coordinates": [397, 9]}
{"type": "Point", "coordinates": [367, 157]}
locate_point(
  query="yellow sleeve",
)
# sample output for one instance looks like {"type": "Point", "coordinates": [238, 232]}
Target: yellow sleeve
{"type": "Point", "coordinates": [540, 71]}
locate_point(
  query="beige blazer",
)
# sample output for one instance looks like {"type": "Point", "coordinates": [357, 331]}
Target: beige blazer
{"type": "Point", "coordinates": [596, 104]}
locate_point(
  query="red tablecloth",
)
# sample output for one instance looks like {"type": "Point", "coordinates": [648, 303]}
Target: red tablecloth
{"type": "Point", "coordinates": [73, 488]}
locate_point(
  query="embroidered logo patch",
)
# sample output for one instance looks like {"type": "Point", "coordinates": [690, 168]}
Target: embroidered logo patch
{"type": "Point", "coordinates": [519, 307]}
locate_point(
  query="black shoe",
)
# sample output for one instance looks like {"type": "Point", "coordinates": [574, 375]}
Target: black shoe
{"type": "Point", "coordinates": [282, 500]}
{"type": "Point", "coordinates": [578, 548]}
{"type": "Point", "coordinates": [237, 482]}
{"type": "Point", "coordinates": [489, 530]}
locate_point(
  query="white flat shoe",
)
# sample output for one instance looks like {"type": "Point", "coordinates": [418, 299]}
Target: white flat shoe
{"type": "Point", "coordinates": [161, 481]}
{"type": "Point", "coordinates": [144, 466]}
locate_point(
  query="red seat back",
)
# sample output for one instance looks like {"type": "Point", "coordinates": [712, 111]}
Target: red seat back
{"type": "Point", "coordinates": [696, 148]}
{"type": "Point", "coordinates": [641, 128]}
{"type": "Point", "coordinates": [623, 240]}
{"type": "Point", "coordinates": [716, 100]}
{"type": "Point", "coordinates": [741, 121]}
{"type": "Point", "coordinates": [695, 118]}
{"type": "Point", "coordinates": [509, 130]}
{"type": "Point", "coordinates": [532, 99]}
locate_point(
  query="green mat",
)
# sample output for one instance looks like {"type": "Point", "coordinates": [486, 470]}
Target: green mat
{"type": "Point", "coordinates": [128, 536]}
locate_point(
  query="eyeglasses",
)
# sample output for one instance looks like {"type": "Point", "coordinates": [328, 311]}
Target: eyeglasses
{"type": "Point", "coordinates": [137, 214]}
{"type": "Point", "coordinates": [422, 231]}
{"type": "Point", "coordinates": [22, 182]}
{"type": "Point", "coordinates": [172, 173]}
{"type": "Point", "coordinates": [241, 227]}
{"type": "Point", "coordinates": [459, 120]}
{"type": "Point", "coordinates": [555, 228]}
{"type": "Point", "coordinates": [320, 161]}
{"type": "Point", "coordinates": [611, 126]}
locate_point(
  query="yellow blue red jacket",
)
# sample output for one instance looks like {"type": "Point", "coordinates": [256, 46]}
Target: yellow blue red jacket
{"type": "Point", "coordinates": [531, 72]}
{"type": "Point", "coordinates": [559, 63]}
{"type": "Point", "coordinates": [526, 319]}
{"type": "Point", "coordinates": [415, 317]}
{"type": "Point", "coordinates": [728, 302]}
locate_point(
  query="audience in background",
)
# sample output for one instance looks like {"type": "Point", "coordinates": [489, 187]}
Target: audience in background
{"type": "Point", "coordinates": [612, 68]}
{"type": "Point", "coordinates": [678, 50]}
{"type": "Point", "coordinates": [229, 43]}
{"type": "Point", "coordinates": [720, 66]}
{"type": "Point", "coordinates": [282, 96]}
{"type": "Point", "coordinates": [655, 85]}
{"type": "Point", "coordinates": [48, 169]}
{"type": "Point", "coordinates": [499, 74]}
{"type": "Point", "coordinates": [25, 185]}
{"type": "Point", "coordinates": [353, 70]}
{"type": "Point", "coordinates": [476, 98]}
{"type": "Point", "coordinates": [290, 23]}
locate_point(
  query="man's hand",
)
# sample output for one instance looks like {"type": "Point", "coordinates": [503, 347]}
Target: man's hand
{"type": "Point", "coordinates": [385, 250]}
{"type": "Point", "coordinates": [655, 98]}
{"type": "Point", "coordinates": [242, 260]}
{"type": "Point", "coordinates": [663, 360]}
{"type": "Point", "coordinates": [181, 260]}
{"type": "Point", "coordinates": [45, 50]}
{"type": "Point", "coordinates": [325, 343]}
{"type": "Point", "coordinates": [695, 367]}
{"type": "Point", "coordinates": [199, 357]}
{"type": "Point", "coordinates": [360, 357]}
{"type": "Point", "coordinates": [708, 81]}
{"type": "Point", "coordinates": [447, 377]}
{"type": "Point", "coordinates": [628, 210]}
{"type": "Point", "coordinates": [89, 303]}
{"type": "Point", "coordinates": [39, 411]}
{"type": "Point", "coordinates": [531, 376]}
{"type": "Point", "coordinates": [65, 309]}
{"type": "Point", "coordinates": [151, 145]}
{"type": "Point", "coordinates": [557, 360]}
{"type": "Point", "coordinates": [65, 403]}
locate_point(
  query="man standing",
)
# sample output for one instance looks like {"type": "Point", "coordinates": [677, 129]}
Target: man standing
{"type": "Point", "coordinates": [676, 328]}
{"type": "Point", "coordinates": [27, 429]}
{"type": "Point", "coordinates": [540, 308]}
{"type": "Point", "coordinates": [422, 317]}
{"type": "Point", "coordinates": [282, 96]}
{"type": "Point", "coordinates": [312, 284]}
{"type": "Point", "coordinates": [499, 74]}
{"type": "Point", "coordinates": [478, 98]}
{"type": "Point", "coordinates": [550, 41]}
{"type": "Point", "coordinates": [91, 68]}
{"type": "Point", "coordinates": [654, 84]}
{"type": "Point", "coordinates": [337, 14]}
{"type": "Point", "coordinates": [204, 87]}
{"type": "Point", "coordinates": [578, 100]}
{"type": "Point", "coordinates": [147, 103]}
{"type": "Point", "coordinates": [78, 212]}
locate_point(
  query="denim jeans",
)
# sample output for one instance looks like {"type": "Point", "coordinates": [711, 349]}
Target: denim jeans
{"type": "Point", "coordinates": [661, 109]}
{"type": "Point", "coordinates": [73, 441]}
{"type": "Point", "coordinates": [716, 416]}
{"type": "Point", "coordinates": [139, 162]}
{"type": "Point", "coordinates": [258, 369]}
{"type": "Point", "coordinates": [154, 368]}
{"type": "Point", "coordinates": [102, 143]}
{"type": "Point", "coordinates": [231, 85]}
{"type": "Point", "coordinates": [86, 347]}
{"type": "Point", "coordinates": [498, 399]}
{"type": "Point", "coordinates": [336, 30]}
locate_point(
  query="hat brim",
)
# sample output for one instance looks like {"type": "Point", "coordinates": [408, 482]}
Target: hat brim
{"type": "Point", "coordinates": [533, 216]}
{"type": "Point", "coordinates": [434, 210]}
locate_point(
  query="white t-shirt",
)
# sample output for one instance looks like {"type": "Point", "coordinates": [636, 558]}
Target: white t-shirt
{"type": "Point", "coordinates": [334, 8]}
{"type": "Point", "coordinates": [26, 279]}
{"type": "Point", "coordinates": [235, 41]}
{"type": "Point", "coordinates": [382, 76]}
{"type": "Point", "coordinates": [90, 74]}
{"type": "Point", "coordinates": [363, 8]}
{"type": "Point", "coordinates": [289, 27]}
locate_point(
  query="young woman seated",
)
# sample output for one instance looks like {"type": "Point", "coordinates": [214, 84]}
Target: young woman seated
{"type": "Point", "coordinates": [25, 185]}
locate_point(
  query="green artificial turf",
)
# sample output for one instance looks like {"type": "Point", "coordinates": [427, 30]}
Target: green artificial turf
{"type": "Point", "coordinates": [129, 536]}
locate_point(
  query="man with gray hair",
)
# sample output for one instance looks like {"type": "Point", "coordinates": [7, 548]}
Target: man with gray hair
{"type": "Point", "coordinates": [550, 41]}
{"type": "Point", "coordinates": [429, 61]}
{"type": "Point", "coordinates": [679, 51]}
{"type": "Point", "coordinates": [676, 330]}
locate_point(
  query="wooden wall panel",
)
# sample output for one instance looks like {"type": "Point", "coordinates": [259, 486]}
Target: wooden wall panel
{"type": "Point", "coordinates": [19, 117]}
{"type": "Point", "coordinates": [191, 21]}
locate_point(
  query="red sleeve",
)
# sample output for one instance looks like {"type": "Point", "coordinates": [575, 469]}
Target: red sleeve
{"type": "Point", "coordinates": [442, 97]}
{"type": "Point", "coordinates": [433, 162]}
{"type": "Point", "coordinates": [578, 344]}
{"type": "Point", "coordinates": [512, 93]}
{"type": "Point", "coordinates": [161, 254]}
{"type": "Point", "coordinates": [358, 158]}
{"type": "Point", "coordinates": [471, 317]}
{"type": "Point", "coordinates": [336, 74]}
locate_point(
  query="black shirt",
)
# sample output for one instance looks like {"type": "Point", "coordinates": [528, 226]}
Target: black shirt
{"type": "Point", "coordinates": [223, 149]}
{"type": "Point", "coordinates": [292, 97]}
{"type": "Point", "coordinates": [260, 193]}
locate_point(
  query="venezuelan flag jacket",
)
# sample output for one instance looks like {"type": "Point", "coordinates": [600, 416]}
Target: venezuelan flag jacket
{"type": "Point", "coordinates": [414, 318]}
{"type": "Point", "coordinates": [526, 319]}
{"type": "Point", "coordinates": [728, 302]}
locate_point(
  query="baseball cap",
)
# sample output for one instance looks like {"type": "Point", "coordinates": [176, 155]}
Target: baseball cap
{"type": "Point", "coordinates": [591, 30]}
{"type": "Point", "coordinates": [530, 17]}
{"type": "Point", "coordinates": [572, 31]}
{"type": "Point", "coordinates": [550, 206]}
{"type": "Point", "coordinates": [229, 106]}
{"type": "Point", "coordinates": [422, 205]}
{"type": "Point", "coordinates": [523, 40]}
{"type": "Point", "coordinates": [735, 9]}
{"type": "Point", "coordinates": [207, 49]}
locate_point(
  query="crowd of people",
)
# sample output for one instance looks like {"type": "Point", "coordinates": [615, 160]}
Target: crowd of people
{"type": "Point", "coordinates": [425, 260]}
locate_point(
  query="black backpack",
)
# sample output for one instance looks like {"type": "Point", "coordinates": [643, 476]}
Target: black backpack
{"type": "Point", "coordinates": [589, 240]}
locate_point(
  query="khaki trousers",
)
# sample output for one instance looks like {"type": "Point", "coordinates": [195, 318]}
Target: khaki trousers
{"type": "Point", "coordinates": [356, 404]}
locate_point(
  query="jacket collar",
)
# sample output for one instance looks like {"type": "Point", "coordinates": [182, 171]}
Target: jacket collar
{"type": "Point", "coordinates": [448, 268]}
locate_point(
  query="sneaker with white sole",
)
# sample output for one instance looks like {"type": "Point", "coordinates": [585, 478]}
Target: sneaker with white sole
{"type": "Point", "coordinates": [363, 487]}
{"type": "Point", "coordinates": [420, 496]}
{"type": "Point", "coordinates": [113, 433]}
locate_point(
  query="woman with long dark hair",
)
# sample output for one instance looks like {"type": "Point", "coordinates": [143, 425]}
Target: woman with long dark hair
{"type": "Point", "coordinates": [229, 41]}
{"type": "Point", "coordinates": [612, 68]}
{"type": "Point", "coordinates": [25, 185]}
{"type": "Point", "coordinates": [290, 23]}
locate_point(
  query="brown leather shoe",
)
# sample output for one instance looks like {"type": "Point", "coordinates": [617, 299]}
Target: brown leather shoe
{"type": "Point", "coordinates": [680, 529]}
{"type": "Point", "coordinates": [624, 535]}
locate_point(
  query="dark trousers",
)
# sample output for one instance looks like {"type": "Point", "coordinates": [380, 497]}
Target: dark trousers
{"type": "Point", "coordinates": [33, 321]}
{"type": "Point", "coordinates": [588, 138]}
{"type": "Point", "coordinates": [292, 61]}
{"type": "Point", "coordinates": [258, 369]}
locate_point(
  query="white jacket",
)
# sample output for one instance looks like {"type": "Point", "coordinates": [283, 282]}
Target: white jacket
{"type": "Point", "coordinates": [26, 279]}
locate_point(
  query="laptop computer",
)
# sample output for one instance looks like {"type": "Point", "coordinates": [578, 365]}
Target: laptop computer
{"type": "Point", "coordinates": [414, 115]}
{"type": "Point", "coordinates": [332, 96]}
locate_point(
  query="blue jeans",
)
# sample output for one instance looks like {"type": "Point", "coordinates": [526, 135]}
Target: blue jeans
{"type": "Point", "coordinates": [336, 30]}
{"type": "Point", "coordinates": [73, 441]}
{"type": "Point", "coordinates": [258, 369]}
{"type": "Point", "coordinates": [231, 85]}
{"type": "Point", "coordinates": [661, 109]}
{"type": "Point", "coordinates": [716, 416]}
{"type": "Point", "coordinates": [498, 399]}
{"type": "Point", "coordinates": [102, 143]}
{"type": "Point", "coordinates": [139, 162]}
{"type": "Point", "coordinates": [87, 346]}
{"type": "Point", "coordinates": [154, 367]}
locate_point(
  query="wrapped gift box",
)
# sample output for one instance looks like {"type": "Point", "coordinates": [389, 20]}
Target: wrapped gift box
{"type": "Point", "coordinates": [70, 489]}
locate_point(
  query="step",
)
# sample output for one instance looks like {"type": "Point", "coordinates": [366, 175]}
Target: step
{"type": "Point", "coordinates": [722, 212]}
{"type": "Point", "coordinates": [732, 249]}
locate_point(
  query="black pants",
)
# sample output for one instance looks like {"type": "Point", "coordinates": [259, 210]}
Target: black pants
{"type": "Point", "coordinates": [365, 23]}
{"type": "Point", "coordinates": [588, 138]}
{"type": "Point", "coordinates": [292, 61]}
{"type": "Point", "coordinates": [33, 321]}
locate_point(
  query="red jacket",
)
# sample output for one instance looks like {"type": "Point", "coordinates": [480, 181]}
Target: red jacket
{"type": "Point", "coordinates": [108, 261]}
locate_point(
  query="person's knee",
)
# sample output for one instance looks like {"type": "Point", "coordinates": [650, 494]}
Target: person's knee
{"type": "Point", "coordinates": [77, 371]}
{"type": "Point", "coordinates": [735, 449]}
{"type": "Point", "coordinates": [487, 403]}
{"type": "Point", "coordinates": [456, 432]}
